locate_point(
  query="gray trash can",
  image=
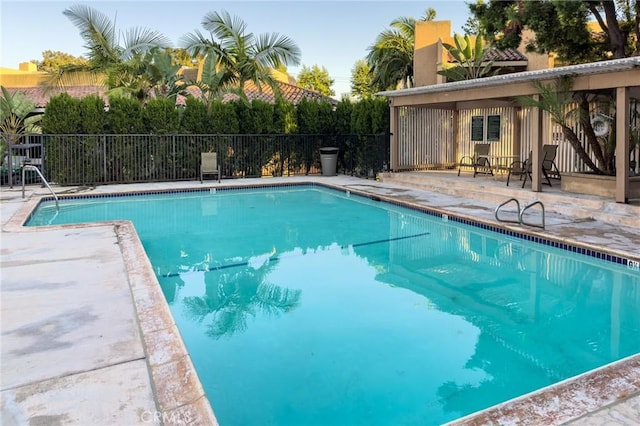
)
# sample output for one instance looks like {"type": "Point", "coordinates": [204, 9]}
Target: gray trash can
{"type": "Point", "coordinates": [329, 160]}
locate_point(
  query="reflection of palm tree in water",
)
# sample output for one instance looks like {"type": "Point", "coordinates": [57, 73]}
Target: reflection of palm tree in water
{"type": "Point", "coordinates": [234, 294]}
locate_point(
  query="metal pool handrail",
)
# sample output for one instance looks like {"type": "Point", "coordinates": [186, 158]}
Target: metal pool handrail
{"type": "Point", "coordinates": [531, 205]}
{"type": "Point", "coordinates": [37, 170]}
{"type": "Point", "coordinates": [508, 220]}
{"type": "Point", "coordinates": [520, 213]}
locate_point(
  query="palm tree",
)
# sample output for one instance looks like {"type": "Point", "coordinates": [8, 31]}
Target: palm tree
{"type": "Point", "coordinates": [16, 121]}
{"type": "Point", "coordinates": [240, 55]}
{"type": "Point", "coordinates": [556, 98]}
{"type": "Point", "coordinates": [15, 118]}
{"type": "Point", "coordinates": [391, 56]}
{"type": "Point", "coordinates": [109, 62]}
{"type": "Point", "coordinates": [214, 80]}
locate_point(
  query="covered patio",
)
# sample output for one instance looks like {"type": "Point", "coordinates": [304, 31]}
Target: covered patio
{"type": "Point", "coordinates": [433, 127]}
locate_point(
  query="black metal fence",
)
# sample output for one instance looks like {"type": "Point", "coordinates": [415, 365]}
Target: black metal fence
{"type": "Point", "coordinates": [105, 159]}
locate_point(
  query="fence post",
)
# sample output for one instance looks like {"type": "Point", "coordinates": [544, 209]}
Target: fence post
{"type": "Point", "coordinates": [104, 159]}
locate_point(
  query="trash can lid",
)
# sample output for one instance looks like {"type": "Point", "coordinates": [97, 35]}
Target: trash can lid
{"type": "Point", "coordinates": [329, 150]}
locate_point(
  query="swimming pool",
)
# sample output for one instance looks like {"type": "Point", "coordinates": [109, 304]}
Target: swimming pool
{"type": "Point", "coordinates": [391, 316]}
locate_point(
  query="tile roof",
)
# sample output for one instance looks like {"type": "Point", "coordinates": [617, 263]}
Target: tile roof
{"type": "Point", "coordinates": [506, 55]}
{"type": "Point", "coordinates": [290, 93]}
{"type": "Point", "coordinates": [41, 96]}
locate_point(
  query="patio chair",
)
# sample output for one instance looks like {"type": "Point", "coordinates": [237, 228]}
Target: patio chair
{"type": "Point", "coordinates": [209, 165]}
{"type": "Point", "coordinates": [521, 168]}
{"type": "Point", "coordinates": [549, 167]}
{"type": "Point", "coordinates": [479, 161]}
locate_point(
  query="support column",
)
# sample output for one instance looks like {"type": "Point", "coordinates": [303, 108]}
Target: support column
{"type": "Point", "coordinates": [622, 144]}
{"type": "Point", "coordinates": [454, 145]}
{"type": "Point", "coordinates": [393, 128]}
{"type": "Point", "coordinates": [516, 136]}
{"type": "Point", "coordinates": [536, 146]}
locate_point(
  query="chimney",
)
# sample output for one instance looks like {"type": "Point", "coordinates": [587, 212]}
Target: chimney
{"type": "Point", "coordinates": [28, 66]}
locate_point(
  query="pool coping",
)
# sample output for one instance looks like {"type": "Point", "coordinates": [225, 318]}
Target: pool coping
{"type": "Point", "coordinates": [177, 390]}
{"type": "Point", "coordinates": [175, 382]}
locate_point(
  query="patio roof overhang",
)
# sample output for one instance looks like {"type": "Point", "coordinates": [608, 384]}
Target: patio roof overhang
{"type": "Point", "coordinates": [593, 76]}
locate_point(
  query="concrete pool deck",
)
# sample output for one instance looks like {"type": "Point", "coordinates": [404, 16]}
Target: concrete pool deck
{"type": "Point", "coordinates": [87, 337]}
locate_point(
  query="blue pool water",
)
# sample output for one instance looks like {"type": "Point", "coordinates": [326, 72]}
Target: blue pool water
{"type": "Point", "coordinates": [308, 306]}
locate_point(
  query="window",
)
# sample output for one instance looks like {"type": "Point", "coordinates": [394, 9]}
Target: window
{"type": "Point", "coordinates": [493, 128]}
{"type": "Point", "coordinates": [477, 128]}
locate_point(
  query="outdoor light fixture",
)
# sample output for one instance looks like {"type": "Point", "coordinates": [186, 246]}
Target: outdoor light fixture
{"type": "Point", "coordinates": [600, 124]}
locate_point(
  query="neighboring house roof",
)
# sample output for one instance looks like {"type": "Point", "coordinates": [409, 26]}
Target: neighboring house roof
{"type": "Point", "coordinates": [40, 95]}
{"type": "Point", "coordinates": [506, 55]}
{"type": "Point", "coordinates": [289, 92]}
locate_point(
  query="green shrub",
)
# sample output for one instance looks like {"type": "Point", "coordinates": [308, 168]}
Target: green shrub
{"type": "Point", "coordinates": [125, 116]}
{"type": "Point", "coordinates": [160, 116]}
{"type": "Point", "coordinates": [343, 117]}
{"type": "Point", "coordinates": [93, 118]}
{"type": "Point", "coordinates": [194, 117]}
{"type": "Point", "coordinates": [223, 119]}
{"type": "Point", "coordinates": [262, 113]}
{"type": "Point", "coordinates": [284, 117]}
{"type": "Point", "coordinates": [62, 115]}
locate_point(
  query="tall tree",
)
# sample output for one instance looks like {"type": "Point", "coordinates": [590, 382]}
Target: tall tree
{"type": "Point", "coordinates": [561, 26]}
{"type": "Point", "coordinates": [362, 85]}
{"type": "Point", "coordinates": [110, 62]}
{"type": "Point", "coordinates": [54, 60]}
{"type": "Point", "coordinates": [181, 57]}
{"type": "Point", "coordinates": [391, 55]}
{"type": "Point", "coordinates": [316, 79]}
{"type": "Point", "coordinates": [241, 55]}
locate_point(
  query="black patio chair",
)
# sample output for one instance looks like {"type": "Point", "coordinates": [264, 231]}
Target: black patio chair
{"type": "Point", "coordinates": [480, 161]}
{"type": "Point", "coordinates": [549, 167]}
{"type": "Point", "coordinates": [520, 169]}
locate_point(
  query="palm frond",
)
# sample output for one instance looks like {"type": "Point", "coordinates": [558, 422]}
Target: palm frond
{"type": "Point", "coordinates": [140, 40]}
{"type": "Point", "coordinates": [97, 31]}
{"type": "Point", "coordinates": [14, 110]}
{"type": "Point", "coordinates": [223, 25]}
{"type": "Point", "coordinates": [406, 26]}
{"type": "Point", "coordinates": [196, 43]}
{"type": "Point", "coordinates": [276, 49]}
{"type": "Point", "coordinates": [73, 75]}
{"type": "Point", "coordinates": [552, 97]}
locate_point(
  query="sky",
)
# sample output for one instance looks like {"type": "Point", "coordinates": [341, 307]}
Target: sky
{"type": "Point", "coordinates": [330, 34]}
